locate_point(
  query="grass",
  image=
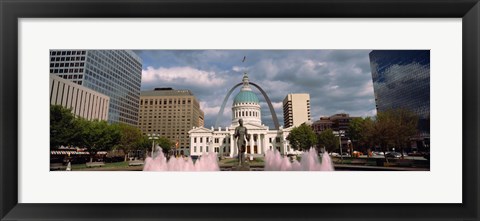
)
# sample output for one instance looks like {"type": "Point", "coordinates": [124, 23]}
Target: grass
{"type": "Point", "coordinates": [123, 164]}
{"type": "Point", "coordinates": [234, 161]}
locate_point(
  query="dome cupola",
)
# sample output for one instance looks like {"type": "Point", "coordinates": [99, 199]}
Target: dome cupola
{"type": "Point", "coordinates": [246, 104]}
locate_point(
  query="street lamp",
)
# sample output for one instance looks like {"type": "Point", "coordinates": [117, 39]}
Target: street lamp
{"type": "Point", "coordinates": [340, 134]}
{"type": "Point", "coordinates": [349, 146]}
{"type": "Point", "coordinates": [153, 137]}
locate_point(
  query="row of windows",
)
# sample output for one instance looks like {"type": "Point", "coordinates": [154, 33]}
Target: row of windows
{"type": "Point", "coordinates": [217, 149]}
{"type": "Point", "coordinates": [67, 53]}
{"type": "Point", "coordinates": [167, 113]}
{"type": "Point", "coordinates": [227, 140]}
{"type": "Point", "coordinates": [160, 117]}
{"type": "Point", "coordinates": [60, 59]}
{"type": "Point", "coordinates": [71, 76]}
{"type": "Point", "coordinates": [67, 64]}
{"type": "Point", "coordinates": [166, 127]}
{"type": "Point", "coordinates": [165, 101]}
{"type": "Point", "coordinates": [168, 110]}
{"type": "Point", "coordinates": [69, 70]}
{"type": "Point", "coordinates": [246, 114]}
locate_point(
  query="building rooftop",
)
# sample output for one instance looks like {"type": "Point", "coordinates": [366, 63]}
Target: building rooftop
{"type": "Point", "coordinates": [166, 92]}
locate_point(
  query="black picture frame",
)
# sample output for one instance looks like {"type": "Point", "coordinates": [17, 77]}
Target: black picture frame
{"type": "Point", "coordinates": [12, 10]}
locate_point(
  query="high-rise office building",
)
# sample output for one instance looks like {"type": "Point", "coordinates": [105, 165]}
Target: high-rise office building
{"type": "Point", "coordinates": [83, 102]}
{"type": "Point", "coordinates": [170, 113]}
{"type": "Point", "coordinates": [401, 79]}
{"type": "Point", "coordinates": [296, 110]}
{"type": "Point", "coordinates": [115, 73]}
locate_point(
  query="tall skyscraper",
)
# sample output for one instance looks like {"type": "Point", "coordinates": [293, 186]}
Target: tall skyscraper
{"type": "Point", "coordinates": [115, 73]}
{"type": "Point", "coordinates": [296, 110]}
{"type": "Point", "coordinates": [401, 79]}
{"type": "Point", "coordinates": [170, 113]}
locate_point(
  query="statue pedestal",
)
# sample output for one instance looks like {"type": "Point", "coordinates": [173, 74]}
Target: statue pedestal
{"type": "Point", "coordinates": [244, 167]}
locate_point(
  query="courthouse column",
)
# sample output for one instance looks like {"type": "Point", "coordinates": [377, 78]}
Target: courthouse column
{"type": "Point", "coordinates": [231, 145]}
{"type": "Point", "coordinates": [251, 143]}
{"type": "Point", "coordinates": [259, 148]}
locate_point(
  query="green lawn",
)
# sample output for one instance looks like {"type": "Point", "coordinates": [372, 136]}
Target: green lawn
{"type": "Point", "coordinates": [123, 164]}
{"type": "Point", "coordinates": [234, 161]}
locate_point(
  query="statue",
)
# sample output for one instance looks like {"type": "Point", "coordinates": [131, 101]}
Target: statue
{"type": "Point", "coordinates": [242, 135]}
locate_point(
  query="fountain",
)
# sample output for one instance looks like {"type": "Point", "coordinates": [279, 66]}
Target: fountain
{"type": "Point", "coordinates": [209, 162]}
{"type": "Point", "coordinates": [309, 162]}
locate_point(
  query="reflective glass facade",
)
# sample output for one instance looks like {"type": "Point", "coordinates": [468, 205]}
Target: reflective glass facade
{"type": "Point", "coordinates": [115, 73]}
{"type": "Point", "coordinates": [401, 79]}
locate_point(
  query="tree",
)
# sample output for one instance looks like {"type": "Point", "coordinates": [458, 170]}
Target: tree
{"type": "Point", "coordinates": [144, 143]}
{"type": "Point", "coordinates": [358, 132]}
{"type": "Point", "coordinates": [328, 140]}
{"type": "Point", "coordinates": [129, 138]}
{"type": "Point", "coordinates": [165, 144]}
{"type": "Point", "coordinates": [355, 131]}
{"type": "Point", "coordinates": [365, 138]}
{"type": "Point", "coordinates": [98, 136]}
{"type": "Point", "coordinates": [405, 126]}
{"type": "Point", "coordinates": [393, 127]}
{"type": "Point", "coordinates": [302, 137]}
{"type": "Point", "coordinates": [62, 126]}
{"type": "Point", "coordinates": [381, 131]}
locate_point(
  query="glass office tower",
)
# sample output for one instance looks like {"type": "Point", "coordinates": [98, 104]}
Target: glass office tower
{"type": "Point", "coordinates": [401, 79]}
{"type": "Point", "coordinates": [115, 73]}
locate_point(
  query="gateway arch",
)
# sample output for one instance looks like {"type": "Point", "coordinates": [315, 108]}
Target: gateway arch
{"type": "Point", "coordinates": [272, 110]}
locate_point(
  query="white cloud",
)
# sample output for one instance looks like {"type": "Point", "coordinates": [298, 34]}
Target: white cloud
{"type": "Point", "coordinates": [185, 75]}
{"type": "Point", "coordinates": [367, 89]}
{"type": "Point", "coordinates": [277, 105]}
{"type": "Point", "coordinates": [208, 110]}
{"type": "Point", "coordinates": [334, 87]}
{"type": "Point", "coordinates": [239, 69]}
{"type": "Point", "coordinates": [337, 81]}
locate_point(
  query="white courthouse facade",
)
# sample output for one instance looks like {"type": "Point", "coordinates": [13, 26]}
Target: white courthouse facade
{"type": "Point", "coordinates": [245, 106]}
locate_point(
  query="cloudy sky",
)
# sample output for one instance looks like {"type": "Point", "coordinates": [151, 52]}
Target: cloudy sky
{"type": "Point", "coordinates": [338, 81]}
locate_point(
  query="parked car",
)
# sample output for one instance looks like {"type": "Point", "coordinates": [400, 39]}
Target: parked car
{"type": "Point", "coordinates": [333, 154]}
{"type": "Point", "coordinates": [393, 155]}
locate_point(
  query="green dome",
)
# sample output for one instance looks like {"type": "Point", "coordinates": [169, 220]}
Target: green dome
{"type": "Point", "coordinates": [246, 97]}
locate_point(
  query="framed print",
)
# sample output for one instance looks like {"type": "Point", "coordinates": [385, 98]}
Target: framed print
{"type": "Point", "coordinates": [229, 109]}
